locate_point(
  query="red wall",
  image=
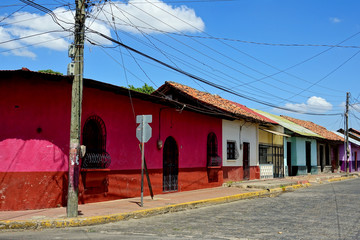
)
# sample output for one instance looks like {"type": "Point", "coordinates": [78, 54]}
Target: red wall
{"type": "Point", "coordinates": [34, 144]}
{"type": "Point", "coordinates": [237, 173]}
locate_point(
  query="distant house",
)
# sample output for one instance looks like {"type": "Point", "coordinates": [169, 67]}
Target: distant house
{"type": "Point", "coordinates": [239, 129]}
{"type": "Point", "coordinates": [35, 132]}
{"type": "Point", "coordinates": [271, 150]}
{"type": "Point", "coordinates": [327, 146]}
{"type": "Point", "coordinates": [354, 147]}
{"type": "Point", "coordinates": [300, 149]}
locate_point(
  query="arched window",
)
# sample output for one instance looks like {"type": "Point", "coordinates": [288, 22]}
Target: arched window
{"type": "Point", "coordinates": [213, 159]}
{"type": "Point", "coordinates": [94, 138]}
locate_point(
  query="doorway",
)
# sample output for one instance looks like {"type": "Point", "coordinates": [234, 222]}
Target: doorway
{"type": "Point", "coordinates": [321, 157]}
{"type": "Point", "coordinates": [288, 158]}
{"type": "Point", "coordinates": [94, 138]}
{"type": "Point", "coordinates": [355, 160]}
{"type": "Point", "coordinates": [246, 153]}
{"type": "Point", "coordinates": [308, 156]}
{"type": "Point", "coordinates": [170, 165]}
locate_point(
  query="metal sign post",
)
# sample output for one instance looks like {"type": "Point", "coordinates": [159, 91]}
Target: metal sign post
{"type": "Point", "coordinates": [143, 134]}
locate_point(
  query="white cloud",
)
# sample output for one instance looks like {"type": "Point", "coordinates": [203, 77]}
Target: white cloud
{"type": "Point", "coordinates": [24, 24]}
{"type": "Point", "coordinates": [356, 106]}
{"type": "Point", "coordinates": [313, 104]}
{"type": "Point", "coordinates": [149, 17]}
{"type": "Point", "coordinates": [335, 20]}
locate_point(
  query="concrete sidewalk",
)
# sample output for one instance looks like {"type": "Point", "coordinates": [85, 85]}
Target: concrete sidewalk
{"type": "Point", "coordinates": [111, 211]}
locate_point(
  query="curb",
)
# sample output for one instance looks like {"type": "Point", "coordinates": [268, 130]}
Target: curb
{"type": "Point", "coordinates": [341, 178]}
{"type": "Point", "coordinates": [95, 220]}
{"type": "Point", "coordinates": [88, 221]}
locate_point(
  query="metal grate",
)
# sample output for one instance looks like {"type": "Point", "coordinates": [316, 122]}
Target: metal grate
{"type": "Point", "coordinates": [94, 138]}
{"type": "Point", "coordinates": [170, 183]}
{"type": "Point", "coordinates": [96, 161]}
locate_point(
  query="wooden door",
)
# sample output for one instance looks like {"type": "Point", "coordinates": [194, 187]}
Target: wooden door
{"type": "Point", "coordinates": [246, 160]}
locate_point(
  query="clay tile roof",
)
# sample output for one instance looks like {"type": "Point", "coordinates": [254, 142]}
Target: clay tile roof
{"type": "Point", "coordinates": [221, 103]}
{"type": "Point", "coordinates": [322, 131]}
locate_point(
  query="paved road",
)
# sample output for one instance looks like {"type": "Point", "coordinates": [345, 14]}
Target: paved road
{"type": "Point", "coordinates": [329, 211]}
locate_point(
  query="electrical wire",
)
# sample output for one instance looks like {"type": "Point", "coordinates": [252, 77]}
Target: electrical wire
{"type": "Point", "coordinates": [216, 60]}
{"type": "Point", "coordinates": [265, 43]}
{"type": "Point", "coordinates": [35, 44]}
{"type": "Point", "coordinates": [32, 35]}
{"type": "Point", "coordinates": [260, 79]}
{"type": "Point", "coordinates": [327, 75]}
{"type": "Point", "coordinates": [7, 16]}
{"type": "Point", "coordinates": [46, 10]}
{"type": "Point", "coordinates": [225, 89]}
{"type": "Point", "coordinates": [226, 74]}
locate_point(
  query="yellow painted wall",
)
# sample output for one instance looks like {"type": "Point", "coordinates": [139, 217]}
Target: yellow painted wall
{"type": "Point", "coordinates": [269, 138]}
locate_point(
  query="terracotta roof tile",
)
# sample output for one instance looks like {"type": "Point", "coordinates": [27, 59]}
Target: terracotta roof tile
{"type": "Point", "coordinates": [322, 131]}
{"type": "Point", "coordinates": [221, 103]}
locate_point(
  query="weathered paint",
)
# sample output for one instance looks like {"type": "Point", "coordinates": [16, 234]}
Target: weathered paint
{"type": "Point", "coordinates": [298, 154]}
{"type": "Point", "coordinates": [289, 125]}
{"type": "Point", "coordinates": [342, 157]}
{"type": "Point", "coordinates": [240, 132]}
{"type": "Point", "coordinates": [269, 138]}
{"type": "Point", "coordinates": [354, 147]}
{"type": "Point", "coordinates": [35, 140]}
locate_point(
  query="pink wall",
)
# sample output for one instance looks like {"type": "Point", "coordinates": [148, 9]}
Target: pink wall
{"type": "Point", "coordinates": [34, 125]}
{"type": "Point", "coordinates": [34, 142]}
{"type": "Point", "coordinates": [32, 106]}
{"type": "Point", "coordinates": [189, 129]}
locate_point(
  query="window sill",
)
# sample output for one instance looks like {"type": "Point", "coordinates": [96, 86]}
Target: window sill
{"type": "Point", "coordinates": [95, 170]}
{"type": "Point", "coordinates": [213, 167]}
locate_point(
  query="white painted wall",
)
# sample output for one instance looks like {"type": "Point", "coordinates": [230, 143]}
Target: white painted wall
{"type": "Point", "coordinates": [249, 133]}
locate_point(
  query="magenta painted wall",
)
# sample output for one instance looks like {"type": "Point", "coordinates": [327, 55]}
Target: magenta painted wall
{"type": "Point", "coordinates": [34, 142]}
{"type": "Point", "coordinates": [45, 105]}
{"type": "Point", "coordinates": [34, 125]}
{"type": "Point", "coordinates": [189, 129]}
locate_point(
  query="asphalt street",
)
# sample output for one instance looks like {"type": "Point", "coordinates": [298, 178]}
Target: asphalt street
{"type": "Point", "coordinates": [327, 211]}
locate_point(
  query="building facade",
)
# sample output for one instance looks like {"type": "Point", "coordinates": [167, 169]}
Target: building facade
{"type": "Point", "coordinates": [34, 142]}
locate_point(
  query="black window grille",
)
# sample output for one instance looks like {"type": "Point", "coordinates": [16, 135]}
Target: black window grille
{"type": "Point", "coordinates": [94, 138]}
{"type": "Point", "coordinates": [263, 154]}
{"type": "Point", "coordinates": [231, 150]}
{"type": "Point", "coordinates": [213, 159]}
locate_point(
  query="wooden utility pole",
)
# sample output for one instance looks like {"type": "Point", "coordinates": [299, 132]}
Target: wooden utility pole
{"type": "Point", "coordinates": [76, 103]}
{"type": "Point", "coordinates": [347, 132]}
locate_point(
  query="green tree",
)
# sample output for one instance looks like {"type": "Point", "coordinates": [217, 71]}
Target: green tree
{"type": "Point", "coordinates": [144, 89]}
{"type": "Point", "coordinates": [50, 71]}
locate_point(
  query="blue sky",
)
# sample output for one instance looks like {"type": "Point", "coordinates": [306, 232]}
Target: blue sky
{"type": "Point", "coordinates": [231, 43]}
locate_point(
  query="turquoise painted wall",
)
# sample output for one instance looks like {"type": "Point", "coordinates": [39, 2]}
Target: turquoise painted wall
{"type": "Point", "coordinates": [298, 153]}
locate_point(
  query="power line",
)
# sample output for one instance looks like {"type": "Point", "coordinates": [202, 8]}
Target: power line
{"type": "Point", "coordinates": [202, 63]}
{"type": "Point", "coordinates": [225, 89]}
{"type": "Point", "coordinates": [280, 71]}
{"type": "Point", "coordinates": [216, 60]}
{"type": "Point", "coordinates": [38, 43]}
{"type": "Point", "coordinates": [32, 35]}
{"type": "Point", "coordinates": [327, 75]}
{"type": "Point", "coordinates": [265, 43]}
{"type": "Point", "coordinates": [7, 16]}
{"type": "Point", "coordinates": [45, 10]}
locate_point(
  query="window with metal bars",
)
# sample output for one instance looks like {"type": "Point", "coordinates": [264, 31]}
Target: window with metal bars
{"type": "Point", "coordinates": [231, 150]}
{"type": "Point", "coordinates": [94, 138]}
{"type": "Point", "coordinates": [213, 159]}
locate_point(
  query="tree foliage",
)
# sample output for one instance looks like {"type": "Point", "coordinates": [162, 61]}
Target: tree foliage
{"type": "Point", "coordinates": [144, 89]}
{"type": "Point", "coordinates": [50, 71]}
